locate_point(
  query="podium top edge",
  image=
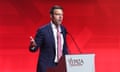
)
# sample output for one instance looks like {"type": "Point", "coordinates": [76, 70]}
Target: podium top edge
{"type": "Point", "coordinates": [81, 54]}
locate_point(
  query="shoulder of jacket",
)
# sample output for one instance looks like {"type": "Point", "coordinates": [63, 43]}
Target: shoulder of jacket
{"type": "Point", "coordinates": [44, 27]}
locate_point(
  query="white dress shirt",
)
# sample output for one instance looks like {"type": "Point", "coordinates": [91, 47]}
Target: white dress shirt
{"type": "Point", "coordinates": [54, 29]}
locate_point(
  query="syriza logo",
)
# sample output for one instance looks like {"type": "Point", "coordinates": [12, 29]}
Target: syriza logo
{"type": "Point", "coordinates": [75, 62]}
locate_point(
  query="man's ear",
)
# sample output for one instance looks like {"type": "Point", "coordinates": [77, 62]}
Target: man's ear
{"type": "Point", "coordinates": [50, 15]}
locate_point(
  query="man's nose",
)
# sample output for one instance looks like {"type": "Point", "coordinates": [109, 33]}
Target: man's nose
{"type": "Point", "coordinates": [60, 16]}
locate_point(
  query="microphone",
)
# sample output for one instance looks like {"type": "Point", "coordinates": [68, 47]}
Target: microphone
{"type": "Point", "coordinates": [73, 41]}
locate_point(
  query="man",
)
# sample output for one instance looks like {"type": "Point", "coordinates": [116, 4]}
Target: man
{"type": "Point", "coordinates": [51, 39]}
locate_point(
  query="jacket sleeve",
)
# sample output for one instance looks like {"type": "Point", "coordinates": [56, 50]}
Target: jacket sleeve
{"type": "Point", "coordinates": [38, 39]}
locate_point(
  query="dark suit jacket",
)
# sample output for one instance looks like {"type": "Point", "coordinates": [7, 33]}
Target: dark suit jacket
{"type": "Point", "coordinates": [45, 41]}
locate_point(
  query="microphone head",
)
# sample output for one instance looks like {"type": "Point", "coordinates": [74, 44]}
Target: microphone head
{"type": "Point", "coordinates": [64, 32]}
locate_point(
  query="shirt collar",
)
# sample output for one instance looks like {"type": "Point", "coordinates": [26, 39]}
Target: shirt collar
{"type": "Point", "coordinates": [54, 27]}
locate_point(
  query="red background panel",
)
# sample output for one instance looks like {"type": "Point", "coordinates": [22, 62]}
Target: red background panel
{"type": "Point", "coordinates": [94, 24]}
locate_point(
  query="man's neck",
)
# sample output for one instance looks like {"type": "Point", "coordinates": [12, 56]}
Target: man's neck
{"type": "Point", "coordinates": [57, 25]}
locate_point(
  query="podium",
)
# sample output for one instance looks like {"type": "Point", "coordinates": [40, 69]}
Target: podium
{"type": "Point", "coordinates": [75, 63]}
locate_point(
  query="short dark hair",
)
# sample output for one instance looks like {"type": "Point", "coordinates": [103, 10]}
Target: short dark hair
{"type": "Point", "coordinates": [55, 7]}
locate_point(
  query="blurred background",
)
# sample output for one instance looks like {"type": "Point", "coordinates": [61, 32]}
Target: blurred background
{"type": "Point", "coordinates": [94, 24]}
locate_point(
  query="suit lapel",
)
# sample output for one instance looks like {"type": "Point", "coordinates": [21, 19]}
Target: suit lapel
{"type": "Point", "coordinates": [51, 35]}
{"type": "Point", "coordinates": [63, 31]}
{"type": "Point", "coordinates": [52, 39]}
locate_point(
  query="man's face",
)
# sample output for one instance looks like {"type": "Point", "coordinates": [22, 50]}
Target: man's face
{"type": "Point", "coordinates": [57, 16]}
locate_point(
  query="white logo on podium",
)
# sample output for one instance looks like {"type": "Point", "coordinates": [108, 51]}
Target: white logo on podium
{"type": "Point", "coordinates": [75, 62]}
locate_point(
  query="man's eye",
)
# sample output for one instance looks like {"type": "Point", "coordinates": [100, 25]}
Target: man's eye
{"type": "Point", "coordinates": [58, 14]}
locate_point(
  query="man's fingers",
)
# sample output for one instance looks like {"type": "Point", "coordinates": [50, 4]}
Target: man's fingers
{"type": "Point", "coordinates": [31, 39]}
{"type": "Point", "coordinates": [33, 44]}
